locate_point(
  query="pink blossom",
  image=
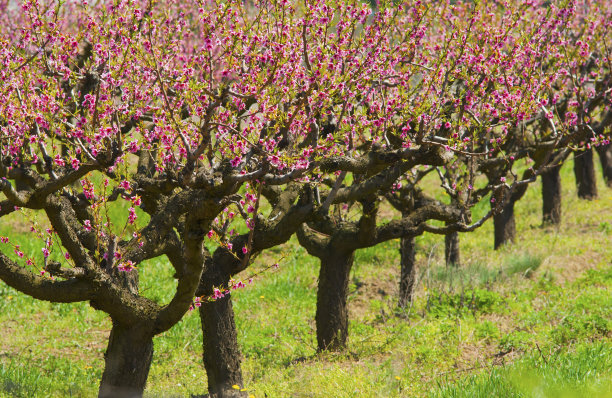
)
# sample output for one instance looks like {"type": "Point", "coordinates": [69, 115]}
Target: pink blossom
{"type": "Point", "coordinates": [126, 266]}
{"type": "Point", "coordinates": [125, 184]}
{"type": "Point", "coordinates": [217, 294]}
{"type": "Point", "coordinates": [132, 215]}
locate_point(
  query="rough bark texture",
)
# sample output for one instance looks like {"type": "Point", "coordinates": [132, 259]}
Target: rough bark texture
{"type": "Point", "coordinates": [551, 196]}
{"type": "Point", "coordinates": [503, 222]}
{"type": "Point", "coordinates": [129, 352]}
{"type": "Point", "coordinates": [221, 352]}
{"type": "Point", "coordinates": [332, 309]}
{"type": "Point", "coordinates": [408, 270]}
{"type": "Point", "coordinates": [451, 249]}
{"type": "Point", "coordinates": [584, 170]}
{"type": "Point", "coordinates": [127, 362]}
{"type": "Point", "coordinates": [605, 157]}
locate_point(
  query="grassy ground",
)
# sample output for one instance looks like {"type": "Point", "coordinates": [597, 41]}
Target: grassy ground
{"type": "Point", "coordinates": [531, 320]}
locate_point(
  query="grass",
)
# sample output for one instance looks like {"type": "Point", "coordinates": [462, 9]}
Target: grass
{"type": "Point", "coordinates": [530, 320]}
{"type": "Point", "coordinates": [584, 371]}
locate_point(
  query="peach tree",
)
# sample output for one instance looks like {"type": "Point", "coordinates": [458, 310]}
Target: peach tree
{"type": "Point", "coordinates": [132, 130]}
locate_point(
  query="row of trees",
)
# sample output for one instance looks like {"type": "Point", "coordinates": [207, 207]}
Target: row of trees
{"type": "Point", "coordinates": [132, 130]}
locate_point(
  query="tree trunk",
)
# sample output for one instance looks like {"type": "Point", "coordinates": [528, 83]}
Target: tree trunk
{"type": "Point", "coordinates": [221, 352]}
{"type": "Point", "coordinates": [451, 249]}
{"type": "Point", "coordinates": [127, 362]}
{"type": "Point", "coordinates": [551, 196]}
{"type": "Point", "coordinates": [584, 170]}
{"type": "Point", "coordinates": [503, 222]}
{"type": "Point", "coordinates": [408, 270]}
{"type": "Point", "coordinates": [332, 309]}
{"type": "Point", "coordinates": [605, 157]}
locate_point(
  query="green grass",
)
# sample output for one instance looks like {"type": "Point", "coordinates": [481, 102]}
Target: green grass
{"type": "Point", "coordinates": [530, 320]}
{"type": "Point", "coordinates": [524, 265]}
{"type": "Point", "coordinates": [583, 371]}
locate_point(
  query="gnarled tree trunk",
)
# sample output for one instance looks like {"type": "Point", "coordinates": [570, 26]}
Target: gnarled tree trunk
{"type": "Point", "coordinates": [503, 222]}
{"type": "Point", "coordinates": [127, 361]}
{"type": "Point", "coordinates": [551, 196]}
{"type": "Point", "coordinates": [221, 352]}
{"type": "Point", "coordinates": [129, 353]}
{"type": "Point", "coordinates": [332, 309]}
{"type": "Point", "coordinates": [408, 270]}
{"type": "Point", "coordinates": [605, 157]}
{"type": "Point", "coordinates": [451, 249]}
{"type": "Point", "coordinates": [584, 170]}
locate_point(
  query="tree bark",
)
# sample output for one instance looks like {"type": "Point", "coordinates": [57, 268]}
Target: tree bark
{"type": "Point", "coordinates": [551, 196]}
{"type": "Point", "coordinates": [408, 270]}
{"type": "Point", "coordinates": [129, 353]}
{"type": "Point", "coordinates": [451, 249]}
{"type": "Point", "coordinates": [332, 309]}
{"type": "Point", "coordinates": [503, 222]}
{"type": "Point", "coordinates": [584, 170]}
{"type": "Point", "coordinates": [127, 362]}
{"type": "Point", "coordinates": [605, 157]}
{"type": "Point", "coordinates": [221, 351]}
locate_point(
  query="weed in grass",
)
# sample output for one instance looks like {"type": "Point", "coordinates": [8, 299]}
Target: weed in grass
{"type": "Point", "coordinates": [599, 276]}
{"type": "Point", "coordinates": [486, 330]}
{"type": "Point", "coordinates": [605, 227]}
{"type": "Point", "coordinates": [516, 341]}
{"type": "Point", "coordinates": [547, 280]}
{"type": "Point", "coordinates": [471, 301]}
{"type": "Point", "coordinates": [474, 274]}
{"type": "Point", "coordinates": [478, 274]}
{"type": "Point", "coordinates": [525, 265]}
{"type": "Point", "coordinates": [574, 327]}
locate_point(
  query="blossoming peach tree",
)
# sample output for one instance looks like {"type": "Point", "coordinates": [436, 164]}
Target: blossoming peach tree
{"type": "Point", "coordinates": [484, 74]}
{"type": "Point", "coordinates": [575, 114]}
{"type": "Point", "coordinates": [132, 130]}
{"type": "Point", "coordinates": [165, 112]}
{"type": "Point", "coordinates": [168, 113]}
{"type": "Point", "coordinates": [466, 107]}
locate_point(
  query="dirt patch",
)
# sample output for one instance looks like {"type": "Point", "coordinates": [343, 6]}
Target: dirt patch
{"type": "Point", "coordinates": [505, 323]}
{"type": "Point", "coordinates": [384, 289]}
{"type": "Point", "coordinates": [568, 268]}
{"type": "Point", "coordinates": [473, 358]}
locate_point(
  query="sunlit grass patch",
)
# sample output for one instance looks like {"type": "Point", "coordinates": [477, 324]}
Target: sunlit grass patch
{"type": "Point", "coordinates": [585, 371]}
